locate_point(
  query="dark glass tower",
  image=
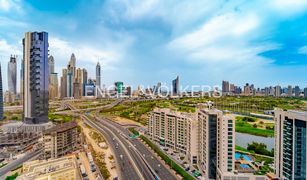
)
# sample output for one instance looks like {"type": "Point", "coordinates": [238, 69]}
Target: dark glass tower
{"type": "Point", "coordinates": [175, 86]}
{"type": "Point", "coordinates": [1, 96]}
{"type": "Point", "coordinates": [290, 144]}
{"type": "Point", "coordinates": [35, 78]}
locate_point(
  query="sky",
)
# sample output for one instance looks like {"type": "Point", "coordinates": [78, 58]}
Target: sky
{"type": "Point", "coordinates": [149, 41]}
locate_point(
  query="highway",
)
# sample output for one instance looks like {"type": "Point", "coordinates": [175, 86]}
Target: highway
{"type": "Point", "coordinates": [135, 160]}
{"type": "Point", "coordinates": [158, 167]}
{"type": "Point", "coordinates": [126, 169]}
{"type": "Point", "coordinates": [14, 164]}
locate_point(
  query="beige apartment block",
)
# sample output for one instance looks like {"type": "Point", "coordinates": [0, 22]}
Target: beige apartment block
{"type": "Point", "coordinates": [216, 143]}
{"type": "Point", "coordinates": [174, 130]}
{"type": "Point", "coordinates": [206, 137]}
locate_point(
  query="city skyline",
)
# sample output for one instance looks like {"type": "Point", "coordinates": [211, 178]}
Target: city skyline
{"type": "Point", "coordinates": [193, 45]}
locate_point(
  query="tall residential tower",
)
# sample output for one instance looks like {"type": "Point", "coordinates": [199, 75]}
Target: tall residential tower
{"type": "Point", "coordinates": [290, 144]}
{"type": "Point", "coordinates": [175, 86]}
{"type": "Point", "coordinates": [1, 96]}
{"type": "Point", "coordinates": [12, 74]}
{"type": "Point", "coordinates": [98, 75]}
{"type": "Point", "coordinates": [35, 48]}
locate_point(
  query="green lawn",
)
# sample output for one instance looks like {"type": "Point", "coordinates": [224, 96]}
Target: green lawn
{"type": "Point", "coordinates": [244, 127]}
{"type": "Point", "coordinates": [239, 148]}
{"type": "Point", "coordinates": [59, 118]}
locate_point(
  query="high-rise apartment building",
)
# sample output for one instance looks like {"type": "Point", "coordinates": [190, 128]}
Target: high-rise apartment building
{"type": "Point", "coordinates": [206, 138]}
{"type": "Point", "coordinates": [71, 75]}
{"type": "Point", "coordinates": [1, 96]}
{"type": "Point", "coordinates": [53, 86]}
{"type": "Point", "coordinates": [290, 91]}
{"type": "Point", "coordinates": [297, 91]}
{"type": "Point", "coordinates": [225, 86]}
{"type": "Point", "coordinates": [175, 86]}
{"type": "Point", "coordinates": [64, 84]}
{"type": "Point", "coordinates": [290, 144]}
{"type": "Point", "coordinates": [70, 85]}
{"type": "Point", "coordinates": [216, 144]}
{"type": "Point", "coordinates": [83, 80]}
{"type": "Point", "coordinates": [98, 75]}
{"type": "Point", "coordinates": [51, 64]}
{"type": "Point", "coordinates": [60, 140]}
{"type": "Point", "coordinates": [53, 80]}
{"type": "Point", "coordinates": [36, 82]}
{"type": "Point", "coordinates": [12, 75]}
{"type": "Point", "coordinates": [77, 90]}
{"type": "Point", "coordinates": [175, 130]}
{"type": "Point", "coordinates": [21, 81]}
{"type": "Point", "coordinates": [305, 93]}
{"type": "Point", "coordinates": [277, 91]}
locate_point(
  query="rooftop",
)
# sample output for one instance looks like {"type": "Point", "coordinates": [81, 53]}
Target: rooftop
{"type": "Point", "coordinates": [61, 127]}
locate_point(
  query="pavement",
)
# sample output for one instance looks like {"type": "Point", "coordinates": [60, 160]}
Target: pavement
{"type": "Point", "coordinates": [14, 164]}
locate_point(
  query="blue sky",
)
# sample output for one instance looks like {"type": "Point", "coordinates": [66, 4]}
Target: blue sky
{"type": "Point", "coordinates": [144, 42]}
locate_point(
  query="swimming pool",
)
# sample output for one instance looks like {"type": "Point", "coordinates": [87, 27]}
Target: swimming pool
{"type": "Point", "coordinates": [244, 166]}
{"type": "Point", "coordinates": [245, 157]}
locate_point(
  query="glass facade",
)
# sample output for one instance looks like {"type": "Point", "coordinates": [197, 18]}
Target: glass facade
{"type": "Point", "coordinates": [294, 149]}
{"type": "Point", "coordinates": [36, 77]}
{"type": "Point", "coordinates": [1, 96]}
{"type": "Point", "coordinates": [300, 150]}
{"type": "Point", "coordinates": [212, 146]}
{"type": "Point", "coordinates": [288, 148]}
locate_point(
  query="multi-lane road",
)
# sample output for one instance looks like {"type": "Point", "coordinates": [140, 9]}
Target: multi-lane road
{"type": "Point", "coordinates": [14, 164]}
{"type": "Point", "coordinates": [134, 159]}
{"type": "Point", "coordinates": [159, 168]}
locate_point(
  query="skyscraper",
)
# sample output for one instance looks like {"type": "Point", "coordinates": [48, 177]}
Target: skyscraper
{"type": "Point", "coordinates": [51, 64]}
{"type": "Point", "coordinates": [53, 80]}
{"type": "Point", "coordinates": [305, 93]}
{"type": "Point", "coordinates": [1, 96]}
{"type": "Point", "coordinates": [83, 80]}
{"type": "Point", "coordinates": [297, 91]}
{"type": "Point", "coordinates": [225, 86]}
{"type": "Point", "coordinates": [70, 80]}
{"type": "Point", "coordinates": [277, 91]}
{"type": "Point", "coordinates": [35, 48]}
{"type": "Point", "coordinates": [175, 86]}
{"type": "Point", "coordinates": [21, 80]}
{"type": "Point", "coordinates": [71, 74]}
{"type": "Point", "coordinates": [98, 75]}
{"type": "Point", "coordinates": [12, 75]}
{"type": "Point", "coordinates": [64, 83]}
{"type": "Point", "coordinates": [53, 86]}
{"type": "Point", "coordinates": [290, 91]}
{"type": "Point", "coordinates": [216, 143]}
{"type": "Point", "coordinates": [290, 144]}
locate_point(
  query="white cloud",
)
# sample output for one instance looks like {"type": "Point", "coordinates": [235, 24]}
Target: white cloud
{"type": "Point", "coordinates": [302, 50]}
{"type": "Point", "coordinates": [7, 49]}
{"type": "Point", "coordinates": [8, 5]}
{"type": "Point", "coordinates": [288, 7]}
{"type": "Point", "coordinates": [136, 9]}
{"type": "Point", "coordinates": [7, 22]}
{"type": "Point", "coordinates": [224, 38]}
{"type": "Point", "coordinates": [85, 54]}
